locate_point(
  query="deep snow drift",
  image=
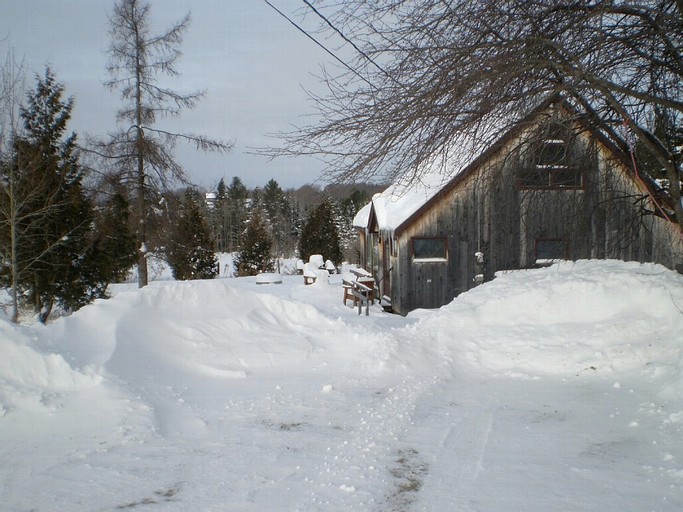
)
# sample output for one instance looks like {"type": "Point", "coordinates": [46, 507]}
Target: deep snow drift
{"type": "Point", "coordinates": [550, 389]}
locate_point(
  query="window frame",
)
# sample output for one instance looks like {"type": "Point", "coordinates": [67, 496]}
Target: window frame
{"type": "Point", "coordinates": [429, 259]}
{"type": "Point", "coordinates": [547, 175]}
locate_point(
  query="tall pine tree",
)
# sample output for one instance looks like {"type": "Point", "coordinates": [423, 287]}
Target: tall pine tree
{"type": "Point", "coordinates": [138, 60]}
{"type": "Point", "coordinates": [219, 218]}
{"type": "Point", "coordinates": [237, 195]}
{"type": "Point", "coordinates": [278, 209]}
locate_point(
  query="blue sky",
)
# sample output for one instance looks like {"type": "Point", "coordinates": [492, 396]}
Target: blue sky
{"type": "Point", "coordinates": [251, 62]}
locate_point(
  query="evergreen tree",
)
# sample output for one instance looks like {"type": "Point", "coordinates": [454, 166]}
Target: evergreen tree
{"type": "Point", "coordinates": [273, 199]}
{"type": "Point", "coordinates": [237, 195]}
{"type": "Point", "coordinates": [348, 208]}
{"type": "Point", "coordinates": [190, 250]}
{"type": "Point", "coordinates": [670, 132]}
{"type": "Point", "coordinates": [255, 255]}
{"type": "Point", "coordinates": [296, 216]}
{"type": "Point", "coordinates": [108, 257]}
{"type": "Point", "coordinates": [113, 249]}
{"type": "Point", "coordinates": [320, 234]}
{"type": "Point", "coordinates": [290, 226]}
{"type": "Point", "coordinates": [219, 218]}
{"type": "Point", "coordinates": [277, 210]}
{"type": "Point", "coordinates": [256, 200]}
{"type": "Point", "coordinates": [45, 212]}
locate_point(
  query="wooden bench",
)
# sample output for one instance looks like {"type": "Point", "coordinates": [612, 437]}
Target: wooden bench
{"type": "Point", "coordinates": [311, 273]}
{"type": "Point", "coordinates": [310, 277]}
{"type": "Point", "coordinates": [268, 278]}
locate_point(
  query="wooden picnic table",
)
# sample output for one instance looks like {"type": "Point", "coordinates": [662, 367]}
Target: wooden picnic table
{"type": "Point", "coordinates": [361, 289]}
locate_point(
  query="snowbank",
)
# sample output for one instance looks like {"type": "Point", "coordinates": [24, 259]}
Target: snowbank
{"type": "Point", "coordinates": [573, 317]}
{"type": "Point", "coordinates": [28, 375]}
{"type": "Point", "coordinates": [195, 329]}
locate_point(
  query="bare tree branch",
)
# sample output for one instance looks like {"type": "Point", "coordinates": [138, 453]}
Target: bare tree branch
{"type": "Point", "coordinates": [445, 71]}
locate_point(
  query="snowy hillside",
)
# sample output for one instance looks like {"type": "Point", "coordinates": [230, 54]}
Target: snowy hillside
{"type": "Point", "coordinates": [552, 389]}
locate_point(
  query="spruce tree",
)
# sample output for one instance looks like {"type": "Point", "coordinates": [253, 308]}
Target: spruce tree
{"type": "Point", "coordinates": [113, 251]}
{"type": "Point", "coordinates": [255, 255]}
{"type": "Point", "coordinates": [320, 234]}
{"type": "Point", "coordinates": [278, 209]}
{"type": "Point", "coordinates": [108, 257]}
{"type": "Point", "coordinates": [219, 218]}
{"type": "Point", "coordinates": [45, 212]}
{"type": "Point", "coordinates": [273, 199]}
{"type": "Point", "coordinates": [190, 251]}
{"type": "Point", "coordinates": [348, 208]}
{"type": "Point", "coordinates": [237, 195]}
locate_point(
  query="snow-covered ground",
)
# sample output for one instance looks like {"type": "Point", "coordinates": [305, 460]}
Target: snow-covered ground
{"type": "Point", "coordinates": [552, 389]}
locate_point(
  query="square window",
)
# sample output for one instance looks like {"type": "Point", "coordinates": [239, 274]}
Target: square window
{"type": "Point", "coordinates": [429, 248]}
{"type": "Point", "coordinates": [553, 152]}
{"type": "Point", "coordinates": [549, 166]}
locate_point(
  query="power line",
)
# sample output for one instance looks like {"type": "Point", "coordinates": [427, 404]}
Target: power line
{"type": "Point", "coordinates": [341, 34]}
{"type": "Point", "coordinates": [318, 43]}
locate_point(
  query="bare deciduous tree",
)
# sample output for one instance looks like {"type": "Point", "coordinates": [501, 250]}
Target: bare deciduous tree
{"type": "Point", "coordinates": [144, 153]}
{"type": "Point", "coordinates": [11, 87]}
{"type": "Point", "coordinates": [430, 72]}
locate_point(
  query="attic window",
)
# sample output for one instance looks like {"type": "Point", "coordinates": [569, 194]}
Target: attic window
{"type": "Point", "coordinates": [552, 153]}
{"type": "Point", "coordinates": [429, 249]}
{"type": "Point", "coordinates": [550, 167]}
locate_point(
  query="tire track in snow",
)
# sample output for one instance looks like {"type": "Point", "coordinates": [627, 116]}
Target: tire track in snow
{"type": "Point", "coordinates": [356, 474]}
{"type": "Point", "coordinates": [470, 463]}
{"type": "Point", "coordinates": [456, 459]}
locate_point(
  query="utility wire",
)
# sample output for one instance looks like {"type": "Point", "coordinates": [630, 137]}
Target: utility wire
{"type": "Point", "coordinates": [341, 34]}
{"type": "Point", "coordinates": [318, 43]}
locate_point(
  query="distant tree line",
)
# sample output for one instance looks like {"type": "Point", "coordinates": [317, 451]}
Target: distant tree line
{"type": "Point", "coordinates": [264, 224]}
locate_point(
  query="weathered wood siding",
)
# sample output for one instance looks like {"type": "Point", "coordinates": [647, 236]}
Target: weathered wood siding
{"type": "Point", "coordinates": [362, 247]}
{"type": "Point", "coordinates": [489, 212]}
{"type": "Point", "coordinates": [431, 284]}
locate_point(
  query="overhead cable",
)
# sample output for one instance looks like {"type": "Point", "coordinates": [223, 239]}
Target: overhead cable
{"type": "Point", "coordinates": [341, 34]}
{"type": "Point", "coordinates": [347, 66]}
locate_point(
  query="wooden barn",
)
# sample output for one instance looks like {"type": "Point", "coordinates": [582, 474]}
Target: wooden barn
{"type": "Point", "coordinates": [551, 188]}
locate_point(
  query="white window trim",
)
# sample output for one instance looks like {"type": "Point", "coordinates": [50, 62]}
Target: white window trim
{"type": "Point", "coordinates": [430, 260]}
